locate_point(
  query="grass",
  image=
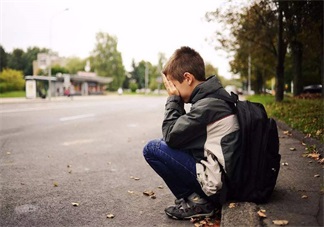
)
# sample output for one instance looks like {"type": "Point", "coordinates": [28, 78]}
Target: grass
{"type": "Point", "coordinates": [305, 115]}
{"type": "Point", "coordinates": [13, 94]}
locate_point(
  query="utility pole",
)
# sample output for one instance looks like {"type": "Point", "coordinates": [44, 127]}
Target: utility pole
{"type": "Point", "coordinates": [146, 78]}
{"type": "Point", "coordinates": [50, 55]}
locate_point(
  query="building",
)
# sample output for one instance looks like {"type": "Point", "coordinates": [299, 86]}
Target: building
{"type": "Point", "coordinates": [83, 83]}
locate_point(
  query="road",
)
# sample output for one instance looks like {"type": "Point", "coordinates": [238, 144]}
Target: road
{"type": "Point", "coordinates": [86, 152]}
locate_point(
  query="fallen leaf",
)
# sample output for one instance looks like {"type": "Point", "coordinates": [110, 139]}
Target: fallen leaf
{"type": "Point", "coordinates": [280, 222]}
{"type": "Point", "coordinates": [292, 149]}
{"type": "Point", "coordinates": [287, 133]}
{"type": "Point", "coordinates": [316, 175]}
{"type": "Point", "coordinates": [75, 204]}
{"type": "Point", "coordinates": [304, 144]}
{"type": "Point", "coordinates": [315, 156]}
{"type": "Point", "coordinates": [318, 132]}
{"type": "Point", "coordinates": [304, 197]}
{"type": "Point", "coordinates": [110, 216]}
{"type": "Point", "coordinates": [148, 193]}
{"type": "Point", "coordinates": [262, 214]}
{"type": "Point", "coordinates": [55, 184]}
{"type": "Point", "coordinates": [232, 205]}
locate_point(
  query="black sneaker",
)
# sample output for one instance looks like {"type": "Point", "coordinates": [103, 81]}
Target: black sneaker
{"type": "Point", "coordinates": [193, 207]}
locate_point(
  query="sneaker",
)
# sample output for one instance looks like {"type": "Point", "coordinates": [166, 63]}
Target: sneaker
{"type": "Point", "coordinates": [194, 206]}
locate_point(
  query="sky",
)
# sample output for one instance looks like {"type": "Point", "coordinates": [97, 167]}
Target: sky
{"type": "Point", "coordinates": [143, 28]}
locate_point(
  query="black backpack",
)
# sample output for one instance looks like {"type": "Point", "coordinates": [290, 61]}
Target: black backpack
{"type": "Point", "coordinates": [257, 163]}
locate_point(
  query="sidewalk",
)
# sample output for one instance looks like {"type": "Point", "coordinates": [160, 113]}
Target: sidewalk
{"type": "Point", "coordinates": [298, 196]}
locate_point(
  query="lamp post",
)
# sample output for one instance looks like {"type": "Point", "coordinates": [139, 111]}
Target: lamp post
{"type": "Point", "coordinates": [50, 55]}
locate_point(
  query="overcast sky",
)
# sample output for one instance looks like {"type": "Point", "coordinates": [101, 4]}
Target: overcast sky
{"type": "Point", "coordinates": [143, 27]}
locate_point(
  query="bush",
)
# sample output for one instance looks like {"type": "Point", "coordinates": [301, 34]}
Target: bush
{"type": "Point", "coordinates": [133, 86]}
{"type": "Point", "coordinates": [11, 80]}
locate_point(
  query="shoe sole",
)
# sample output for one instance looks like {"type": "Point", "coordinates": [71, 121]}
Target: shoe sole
{"type": "Point", "coordinates": [192, 216]}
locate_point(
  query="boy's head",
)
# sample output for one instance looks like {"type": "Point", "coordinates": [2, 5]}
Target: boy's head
{"type": "Point", "coordinates": [185, 60]}
{"type": "Point", "coordinates": [185, 69]}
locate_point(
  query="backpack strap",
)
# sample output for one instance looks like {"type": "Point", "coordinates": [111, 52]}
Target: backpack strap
{"type": "Point", "coordinates": [232, 99]}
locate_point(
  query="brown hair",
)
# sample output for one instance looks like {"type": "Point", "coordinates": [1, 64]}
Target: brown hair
{"type": "Point", "coordinates": [185, 59]}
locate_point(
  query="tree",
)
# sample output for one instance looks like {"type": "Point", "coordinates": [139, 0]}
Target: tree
{"type": "Point", "coordinates": [304, 21]}
{"type": "Point", "coordinates": [11, 80]}
{"type": "Point", "coordinates": [16, 60]}
{"type": "Point", "coordinates": [3, 59]}
{"type": "Point", "coordinates": [75, 64]}
{"type": "Point", "coordinates": [252, 36]}
{"type": "Point", "coordinates": [280, 56]}
{"type": "Point", "coordinates": [29, 56]}
{"type": "Point", "coordinates": [107, 60]}
{"type": "Point", "coordinates": [56, 69]}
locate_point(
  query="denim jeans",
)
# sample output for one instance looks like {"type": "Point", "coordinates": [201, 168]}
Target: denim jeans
{"type": "Point", "coordinates": [176, 167]}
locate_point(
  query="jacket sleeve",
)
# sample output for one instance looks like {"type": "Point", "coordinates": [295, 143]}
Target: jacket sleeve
{"type": "Point", "coordinates": [180, 128]}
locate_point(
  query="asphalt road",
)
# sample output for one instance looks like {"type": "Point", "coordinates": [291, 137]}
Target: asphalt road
{"type": "Point", "coordinates": [86, 151]}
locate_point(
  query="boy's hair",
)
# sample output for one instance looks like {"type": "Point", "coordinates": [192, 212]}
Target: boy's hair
{"type": "Point", "coordinates": [185, 59]}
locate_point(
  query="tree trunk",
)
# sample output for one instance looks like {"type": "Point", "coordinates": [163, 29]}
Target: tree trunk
{"type": "Point", "coordinates": [297, 52]}
{"type": "Point", "coordinates": [279, 87]}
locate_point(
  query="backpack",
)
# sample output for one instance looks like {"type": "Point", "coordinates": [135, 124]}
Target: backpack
{"type": "Point", "coordinates": [257, 163]}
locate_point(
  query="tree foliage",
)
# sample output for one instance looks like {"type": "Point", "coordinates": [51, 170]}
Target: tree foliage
{"type": "Point", "coordinates": [107, 60]}
{"type": "Point", "coordinates": [267, 31]}
{"type": "Point", "coordinates": [11, 80]}
{"type": "Point", "coordinates": [75, 64]}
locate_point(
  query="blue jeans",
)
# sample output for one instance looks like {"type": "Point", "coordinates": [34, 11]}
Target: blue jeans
{"type": "Point", "coordinates": [176, 167]}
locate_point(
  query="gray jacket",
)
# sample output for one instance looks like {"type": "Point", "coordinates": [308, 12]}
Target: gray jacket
{"type": "Point", "coordinates": [209, 130]}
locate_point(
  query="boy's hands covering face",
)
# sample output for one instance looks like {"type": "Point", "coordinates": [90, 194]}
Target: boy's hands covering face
{"type": "Point", "coordinates": [171, 89]}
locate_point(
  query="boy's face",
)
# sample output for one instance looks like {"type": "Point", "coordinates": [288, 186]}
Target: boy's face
{"type": "Point", "coordinates": [185, 88]}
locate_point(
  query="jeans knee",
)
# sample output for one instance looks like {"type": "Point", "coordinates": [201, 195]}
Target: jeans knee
{"type": "Point", "coordinates": [150, 147]}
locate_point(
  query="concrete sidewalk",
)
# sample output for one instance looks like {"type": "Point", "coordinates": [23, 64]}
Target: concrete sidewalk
{"type": "Point", "coordinates": [298, 196]}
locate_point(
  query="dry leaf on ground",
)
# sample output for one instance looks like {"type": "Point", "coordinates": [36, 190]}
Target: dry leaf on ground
{"type": "Point", "coordinates": [148, 193]}
{"type": "Point", "coordinates": [262, 214]}
{"type": "Point", "coordinates": [280, 222]}
{"type": "Point", "coordinates": [110, 216]}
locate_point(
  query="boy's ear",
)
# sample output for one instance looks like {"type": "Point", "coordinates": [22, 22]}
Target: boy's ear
{"type": "Point", "coordinates": [189, 78]}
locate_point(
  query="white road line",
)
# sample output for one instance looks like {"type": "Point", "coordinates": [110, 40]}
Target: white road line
{"type": "Point", "coordinates": [76, 117]}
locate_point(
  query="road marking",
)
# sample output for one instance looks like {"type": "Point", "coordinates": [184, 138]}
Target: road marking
{"type": "Point", "coordinates": [76, 117]}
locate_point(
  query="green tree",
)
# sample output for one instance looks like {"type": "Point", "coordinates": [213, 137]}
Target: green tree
{"type": "Point", "coordinates": [11, 80]}
{"type": "Point", "coordinates": [75, 64]}
{"type": "Point", "coordinates": [29, 56]}
{"type": "Point", "coordinates": [16, 60]}
{"type": "Point", "coordinates": [58, 69]}
{"type": "Point", "coordinates": [3, 59]}
{"type": "Point", "coordinates": [304, 26]}
{"type": "Point", "coordinates": [107, 60]}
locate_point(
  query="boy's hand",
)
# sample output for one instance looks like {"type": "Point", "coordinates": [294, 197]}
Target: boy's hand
{"type": "Point", "coordinates": [171, 89]}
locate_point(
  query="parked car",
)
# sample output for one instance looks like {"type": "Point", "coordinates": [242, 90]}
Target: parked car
{"type": "Point", "coordinates": [315, 88]}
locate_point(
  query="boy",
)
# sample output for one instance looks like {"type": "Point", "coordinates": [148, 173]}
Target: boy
{"type": "Point", "coordinates": [197, 145]}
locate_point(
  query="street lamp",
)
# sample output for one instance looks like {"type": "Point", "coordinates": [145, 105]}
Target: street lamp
{"type": "Point", "coordinates": [50, 55]}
